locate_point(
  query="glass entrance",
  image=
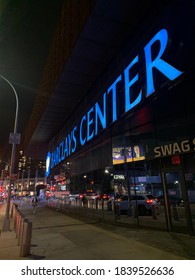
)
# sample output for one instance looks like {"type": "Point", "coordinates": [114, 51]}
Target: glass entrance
{"type": "Point", "coordinates": [175, 201]}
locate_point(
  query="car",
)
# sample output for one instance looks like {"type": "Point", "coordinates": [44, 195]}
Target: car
{"type": "Point", "coordinates": [104, 196]}
{"type": "Point", "coordinates": [3, 195]}
{"type": "Point", "coordinates": [91, 195]}
{"type": "Point", "coordinates": [144, 203]}
{"type": "Point", "coordinates": [172, 200]}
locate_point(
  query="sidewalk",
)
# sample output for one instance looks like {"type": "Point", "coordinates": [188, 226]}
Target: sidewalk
{"type": "Point", "coordinates": [59, 236]}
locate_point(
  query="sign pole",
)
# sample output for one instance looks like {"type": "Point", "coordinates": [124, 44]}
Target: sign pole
{"type": "Point", "coordinates": [6, 223]}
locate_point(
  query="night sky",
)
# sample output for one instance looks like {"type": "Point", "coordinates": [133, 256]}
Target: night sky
{"type": "Point", "coordinates": [26, 31]}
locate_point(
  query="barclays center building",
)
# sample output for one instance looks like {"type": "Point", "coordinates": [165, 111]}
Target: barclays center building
{"type": "Point", "coordinates": [133, 132]}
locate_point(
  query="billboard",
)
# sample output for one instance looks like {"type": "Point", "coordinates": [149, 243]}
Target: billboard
{"type": "Point", "coordinates": [127, 154]}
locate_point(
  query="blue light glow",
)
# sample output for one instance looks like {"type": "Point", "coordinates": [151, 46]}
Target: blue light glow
{"type": "Point", "coordinates": [112, 89]}
{"type": "Point", "coordinates": [82, 140]}
{"type": "Point", "coordinates": [99, 115]}
{"type": "Point", "coordinates": [165, 68]}
{"type": "Point", "coordinates": [74, 146]}
{"type": "Point", "coordinates": [48, 164]}
{"type": "Point", "coordinates": [128, 83]}
{"type": "Point", "coordinates": [106, 111]}
{"type": "Point", "coordinates": [90, 121]}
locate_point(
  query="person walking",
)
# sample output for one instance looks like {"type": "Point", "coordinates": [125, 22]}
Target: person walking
{"type": "Point", "coordinates": [34, 203]}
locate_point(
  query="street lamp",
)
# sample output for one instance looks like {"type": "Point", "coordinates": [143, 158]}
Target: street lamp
{"type": "Point", "coordinates": [6, 223]}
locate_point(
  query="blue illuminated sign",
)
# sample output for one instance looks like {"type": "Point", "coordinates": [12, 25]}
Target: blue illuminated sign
{"type": "Point", "coordinates": [165, 68]}
{"type": "Point", "coordinates": [48, 164]}
{"type": "Point", "coordinates": [96, 120]}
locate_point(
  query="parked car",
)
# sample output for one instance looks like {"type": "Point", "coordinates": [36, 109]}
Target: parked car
{"type": "Point", "coordinates": [172, 200]}
{"type": "Point", "coordinates": [144, 203]}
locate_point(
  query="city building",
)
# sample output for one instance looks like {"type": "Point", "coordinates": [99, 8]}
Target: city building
{"type": "Point", "coordinates": [117, 96]}
{"type": "Point", "coordinates": [29, 179]}
{"type": "Point", "coordinates": [31, 175]}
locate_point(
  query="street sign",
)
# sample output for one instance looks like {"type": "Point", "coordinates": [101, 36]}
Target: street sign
{"type": "Point", "coordinates": [14, 138]}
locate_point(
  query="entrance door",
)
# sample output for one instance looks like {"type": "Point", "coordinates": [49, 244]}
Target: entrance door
{"type": "Point", "coordinates": [175, 200]}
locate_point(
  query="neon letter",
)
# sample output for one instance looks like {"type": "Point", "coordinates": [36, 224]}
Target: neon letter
{"type": "Point", "coordinates": [113, 89]}
{"type": "Point", "coordinates": [100, 115]}
{"type": "Point", "coordinates": [66, 147]}
{"type": "Point", "coordinates": [82, 141]}
{"type": "Point", "coordinates": [89, 123]}
{"type": "Point", "coordinates": [128, 84]}
{"type": "Point", "coordinates": [165, 68]}
{"type": "Point", "coordinates": [74, 139]}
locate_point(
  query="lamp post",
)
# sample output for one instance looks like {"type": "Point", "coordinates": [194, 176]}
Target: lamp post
{"type": "Point", "coordinates": [6, 223]}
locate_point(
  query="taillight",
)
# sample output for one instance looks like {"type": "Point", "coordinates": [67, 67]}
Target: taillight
{"type": "Point", "coordinates": [149, 201]}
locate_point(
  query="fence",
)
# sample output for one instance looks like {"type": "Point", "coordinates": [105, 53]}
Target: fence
{"type": "Point", "coordinates": [101, 210]}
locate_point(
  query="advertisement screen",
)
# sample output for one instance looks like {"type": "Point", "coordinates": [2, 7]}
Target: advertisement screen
{"type": "Point", "coordinates": [127, 154]}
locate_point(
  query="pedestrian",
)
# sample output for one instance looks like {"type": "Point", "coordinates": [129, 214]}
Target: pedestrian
{"type": "Point", "coordinates": [34, 203]}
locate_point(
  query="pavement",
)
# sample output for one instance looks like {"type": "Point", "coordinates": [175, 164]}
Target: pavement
{"type": "Point", "coordinates": [58, 236]}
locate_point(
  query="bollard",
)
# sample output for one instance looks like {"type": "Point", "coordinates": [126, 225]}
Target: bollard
{"type": "Point", "coordinates": [17, 220]}
{"type": "Point", "coordinates": [96, 203]}
{"type": "Point", "coordinates": [154, 208]}
{"type": "Point", "coordinates": [14, 216]}
{"type": "Point", "coordinates": [117, 211]}
{"type": "Point", "coordinates": [19, 225]}
{"type": "Point", "coordinates": [15, 209]}
{"type": "Point", "coordinates": [131, 212]}
{"type": "Point", "coordinates": [175, 213]}
{"type": "Point", "coordinates": [135, 210]}
{"type": "Point", "coordinates": [109, 205]}
{"type": "Point", "coordinates": [102, 204]}
{"type": "Point", "coordinates": [113, 205]}
{"type": "Point", "coordinates": [26, 239]}
{"type": "Point", "coordinates": [12, 210]}
{"type": "Point", "coordinates": [20, 235]}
